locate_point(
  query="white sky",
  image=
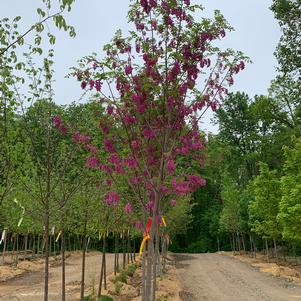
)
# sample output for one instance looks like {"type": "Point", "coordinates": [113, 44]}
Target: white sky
{"type": "Point", "coordinates": [256, 34]}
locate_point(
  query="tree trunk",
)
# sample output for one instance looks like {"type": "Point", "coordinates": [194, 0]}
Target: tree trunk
{"type": "Point", "coordinates": [26, 244]}
{"type": "Point", "coordinates": [233, 243]}
{"type": "Point", "coordinates": [115, 255]}
{"type": "Point", "coordinates": [124, 252]}
{"type": "Point", "coordinates": [238, 242]}
{"type": "Point", "coordinates": [63, 264]}
{"type": "Point", "coordinates": [117, 259]}
{"type": "Point", "coordinates": [103, 268]}
{"type": "Point", "coordinates": [17, 249]}
{"type": "Point", "coordinates": [243, 243]}
{"type": "Point", "coordinates": [143, 285]}
{"type": "Point", "coordinates": [4, 245]}
{"type": "Point", "coordinates": [105, 264]}
{"type": "Point", "coordinates": [46, 268]}
{"type": "Point", "coordinates": [128, 247]}
{"type": "Point", "coordinates": [50, 244]}
{"type": "Point", "coordinates": [267, 250]}
{"type": "Point", "coordinates": [82, 287]}
{"type": "Point", "coordinates": [275, 249]}
{"type": "Point", "coordinates": [134, 250]}
{"type": "Point", "coordinates": [149, 269]}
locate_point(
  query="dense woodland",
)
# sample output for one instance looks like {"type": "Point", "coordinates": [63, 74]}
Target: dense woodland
{"type": "Point", "coordinates": [52, 199]}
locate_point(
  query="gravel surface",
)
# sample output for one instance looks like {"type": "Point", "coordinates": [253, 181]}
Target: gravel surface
{"type": "Point", "coordinates": [214, 277]}
{"type": "Point", "coordinates": [29, 287]}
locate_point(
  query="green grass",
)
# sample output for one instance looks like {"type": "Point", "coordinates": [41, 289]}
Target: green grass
{"type": "Point", "coordinates": [118, 286]}
{"type": "Point", "coordinates": [105, 298]}
{"type": "Point", "coordinates": [131, 268]}
{"type": "Point", "coordinates": [121, 277]}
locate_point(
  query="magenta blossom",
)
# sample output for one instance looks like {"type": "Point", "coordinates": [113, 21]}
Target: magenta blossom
{"type": "Point", "coordinates": [91, 162]}
{"type": "Point", "coordinates": [98, 85]}
{"type": "Point", "coordinates": [173, 202]}
{"type": "Point", "coordinates": [112, 198]}
{"type": "Point", "coordinates": [128, 69]}
{"type": "Point", "coordinates": [57, 121]}
{"type": "Point", "coordinates": [139, 225]}
{"type": "Point", "coordinates": [150, 205]}
{"type": "Point", "coordinates": [109, 182]}
{"type": "Point", "coordinates": [128, 208]}
{"type": "Point", "coordinates": [171, 166]}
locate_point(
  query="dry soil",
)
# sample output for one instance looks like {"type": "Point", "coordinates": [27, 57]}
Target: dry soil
{"type": "Point", "coordinates": [214, 277]}
{"type": "Point", "coordinates": [29, 285]}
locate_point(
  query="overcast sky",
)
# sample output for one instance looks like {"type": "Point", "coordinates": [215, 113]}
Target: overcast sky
{"type": "Point", "coordinates": [256, 34]}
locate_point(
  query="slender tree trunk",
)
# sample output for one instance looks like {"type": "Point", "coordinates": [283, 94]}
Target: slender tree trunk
{"type": "Point", "coordinates": [63, 264]}
{"type": "Point", "coordinates": [82, 287]}
{"type": "Point", "coordinates": [38, 247]}
{"type": "Point", "coordinates": [275, 249]}
{"type": "Point", "coordinates": [105, 263]}
{"type": "Point", "coordinates": [149, 269]}
{"type": "Point", "coordinates": [50, 244]}
{"type": "Point", "coordinates": [134, 250]}
{"type": "Point", "coordinates": [233, 243]}
{"type": "Point", "coordinates": [103, 268]}
{"type": "Point", "coordinates": [238, 242]}
{"type": "Point", "coordinates": [33, 245]}
{"type": "Point", "coordinates": [117, 259]}
{"type": "Point", "coordinates": [115, 255]}
{"type": "Point", "coordinates": [243, 243]}
{"type": "Point", "coordinates": [254, 246]}
{"type": "Point", "coordinates": [155, 262]}
{"type": "Point", "coordinates": [4, 245]}
{"type": "Point", "coordinates": [128, 247]}
{"type": "Point", "coordinates": [101, 277]}
{"type": "Point", "coordinates": [124, 252]}
{"type": "Point", "coordinates": [26, 244]}
{"type": "Point", "coordinates": [267, 250]}
{"type": "Point", "coordinates": [17, 249]}
{"type": "Point", "coordinates": [251, 245]}
{"type": "Point", "coordinates": [46, 268]}
{"type": "Point", "coordinates": [143, 285]}
{"type": "Point", "coordinates": [218, 244]}
{"type": "Point", "coordinates": [54, 248]}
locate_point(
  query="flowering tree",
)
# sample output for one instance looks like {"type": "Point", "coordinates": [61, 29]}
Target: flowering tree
{"type": "Point", "coordinates": [155, 86]}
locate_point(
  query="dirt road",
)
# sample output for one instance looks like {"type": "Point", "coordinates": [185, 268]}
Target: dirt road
{"type": "Point", "coordinates": [214, 277]}
{"type": "Point", "coordinates": [29, 287]}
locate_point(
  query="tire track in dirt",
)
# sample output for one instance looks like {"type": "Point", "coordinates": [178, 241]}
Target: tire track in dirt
{"type": "Point", "coordinates": [213, 277]}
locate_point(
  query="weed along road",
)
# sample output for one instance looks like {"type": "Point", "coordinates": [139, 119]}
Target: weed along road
{"type": "Point", "coordinates": [214, 277]}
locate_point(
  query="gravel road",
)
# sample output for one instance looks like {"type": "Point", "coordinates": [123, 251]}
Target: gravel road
{"type": "Point", "coordinates": [29, 287]}
{"type": "Point", "coordinates": [214, 277]}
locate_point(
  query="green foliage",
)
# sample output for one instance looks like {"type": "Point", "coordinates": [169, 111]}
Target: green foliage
{"type": "Point", "coordinates": [229, 219]}
{"type": "Point", "coordinates": [121, 277]}
{"type": "Point", "coordinates": [264, 209]}
{"type": "Point", "coordinates": [118, 287]}
{"type": "Point", "coordinates": [287, 12]}
{"type": "Point", "coordinates": [290, 205]}
{"type": "Point", "coordinates": [105, 298]}
{"type": "Point", "coordinates": [130, 270]}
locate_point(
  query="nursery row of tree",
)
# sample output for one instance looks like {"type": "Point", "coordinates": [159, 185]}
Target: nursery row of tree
{"type": "Point", "coordinates": [132, 163]}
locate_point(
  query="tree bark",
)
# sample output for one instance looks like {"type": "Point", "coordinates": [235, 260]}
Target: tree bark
{"type": "Point", "coordinates": [63, 265]}
{"type": "Point", "coordinates": [82, 286]}
{"type": "Point", "coordinates": [46, 267]}
{"type": "Point", "coordinates": [4, 245]}
{"type": "Point", "coordinates": [103, 267]}
{"type": "Point", "coordinates": [267, 250]}
{"type": "Point", "coordinates": [275, 248]}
